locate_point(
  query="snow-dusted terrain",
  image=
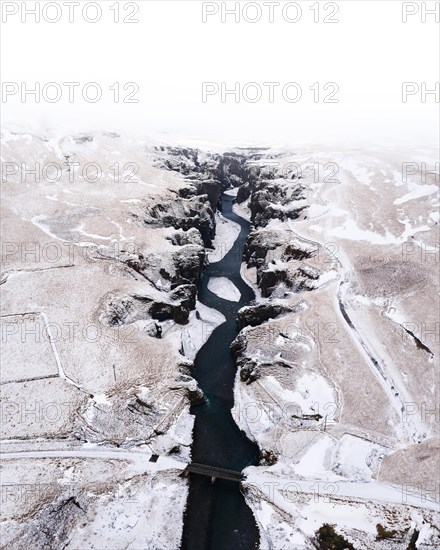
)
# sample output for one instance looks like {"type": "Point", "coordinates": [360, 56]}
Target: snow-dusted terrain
{"type": "Point", "coordinates": [342, 395]}
{"type": "Point", "coordinates": [337, 360]}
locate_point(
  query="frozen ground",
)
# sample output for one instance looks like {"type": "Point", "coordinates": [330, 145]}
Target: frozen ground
{"type": "Point", "coordinates": [343, 400]}
{"type": "Point", "coordinates": [89, 389]}
{"type": "Point", "coordinates": [98, 498]}
{"type": "Point", "coordinates": [345, 390]}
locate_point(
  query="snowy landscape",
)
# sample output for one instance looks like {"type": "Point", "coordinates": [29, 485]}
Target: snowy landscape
{"type": "Point", "coordinates": [337, 378]}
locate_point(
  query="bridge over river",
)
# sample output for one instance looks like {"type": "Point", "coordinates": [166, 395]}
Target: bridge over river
{"type": "Point", "coordinates": [213, 472]}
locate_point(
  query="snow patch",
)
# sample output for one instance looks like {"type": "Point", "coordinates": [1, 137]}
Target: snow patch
{"type": "Point", "coordinates": [420, 191]}
{"type": "Point", "coordinates": [226, 233]}
{"type": "Point", "coordinates": [224, 288]}
{"type": "Point", "coordinates": [316, 461]}
{"type": "Point", "coordinates": [201, 324]}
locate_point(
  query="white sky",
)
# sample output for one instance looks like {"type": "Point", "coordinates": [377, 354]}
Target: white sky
{"type": "Point", "coordinates": [171, 52]}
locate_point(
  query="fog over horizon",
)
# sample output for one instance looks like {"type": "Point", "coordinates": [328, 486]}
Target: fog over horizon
{"type": "Point", "coordinates": [172, 56]}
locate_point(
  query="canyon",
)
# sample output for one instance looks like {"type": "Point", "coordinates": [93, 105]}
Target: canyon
{"type": "Point", "coordinates": [324, 383]}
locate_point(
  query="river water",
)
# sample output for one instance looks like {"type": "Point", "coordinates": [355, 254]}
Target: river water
{"type": "Point", "coordinates": [217, 517]}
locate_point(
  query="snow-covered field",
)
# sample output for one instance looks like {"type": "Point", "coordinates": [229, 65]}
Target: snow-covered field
{"type": "Point", "coordinates": [90, 390]}
{"type": "Point", "coordinates": [100, 325]}
{"type": "Point", "coordinates": [346, 398]}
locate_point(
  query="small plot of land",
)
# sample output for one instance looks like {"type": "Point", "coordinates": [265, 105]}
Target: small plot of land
{"type": "Point", "coordinates": [26, 348]}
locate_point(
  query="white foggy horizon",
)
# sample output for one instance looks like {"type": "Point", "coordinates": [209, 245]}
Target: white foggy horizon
{"type": "Point", "coordinates": [172, 52]}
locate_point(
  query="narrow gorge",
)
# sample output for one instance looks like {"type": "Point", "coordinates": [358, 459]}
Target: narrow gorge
{"type": "Point", "coordinates": [217, 515]}
{"type": "Point", "coordinates": [235, 313]}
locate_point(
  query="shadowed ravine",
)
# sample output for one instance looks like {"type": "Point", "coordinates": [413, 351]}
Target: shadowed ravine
{"type": "Point", "coordinates": [217, 516]}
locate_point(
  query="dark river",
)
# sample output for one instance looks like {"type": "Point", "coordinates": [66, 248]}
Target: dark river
{"type": "Point", "coordinates": [217, 517]}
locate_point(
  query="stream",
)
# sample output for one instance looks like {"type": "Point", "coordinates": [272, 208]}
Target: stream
{"type": "Point", "coordinates": [217, 517]}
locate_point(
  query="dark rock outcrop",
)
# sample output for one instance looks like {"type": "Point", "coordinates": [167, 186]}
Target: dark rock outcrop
{"type": "Point", "coordinates": [249, 369]}
{"type": "Point", "coordinates": [267, 458]}
{"type": "Point", "coordinates": [192, 236]}
{"type": "Point", "coordinates": [189, 262]}
{"type": "Point", "coordinates": [123, 310]}
{"type": "Point", "coordinates": [127, 309]}
{"type": "Point", "coordinates": [194, 212]}
{"type": "Point", "coordinates": [269, 279]}
{"type": "Point", "coordinates": [178, 306]}
{"type": "Point", "coordinates": [233, 170]}
{"type": "Point", "coordinates": [188, 162]}
{"type": "Point", "coordinates": [249, 372]}
{"type": "Point", "coordinates": [303, 277]}
{"type": "Point", "coordinates": [185, 295]}
{"type": "Point", "coordinates": [281, 262]}
{"type": "Point", "coordinates": [210, 188]}
{"type": "Point", "coordinates": [243, 193]}
{"type": "Point", "coordinates": [258, 244]}
{"type": "Point", "coordinates": [162, 311]}
{"type": "Point", "coordinates": [52, 524]}
{"type": "Point", "coordinates": [241, 167]}
{"type": "Point", "coordinates": [258, 314]}
{"type": "Point", "coordinates": [139, 263]}
{"type": "Point", "coordinates": [292, 252]}
{"type": "Point", "coordinates": [273, 200]}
